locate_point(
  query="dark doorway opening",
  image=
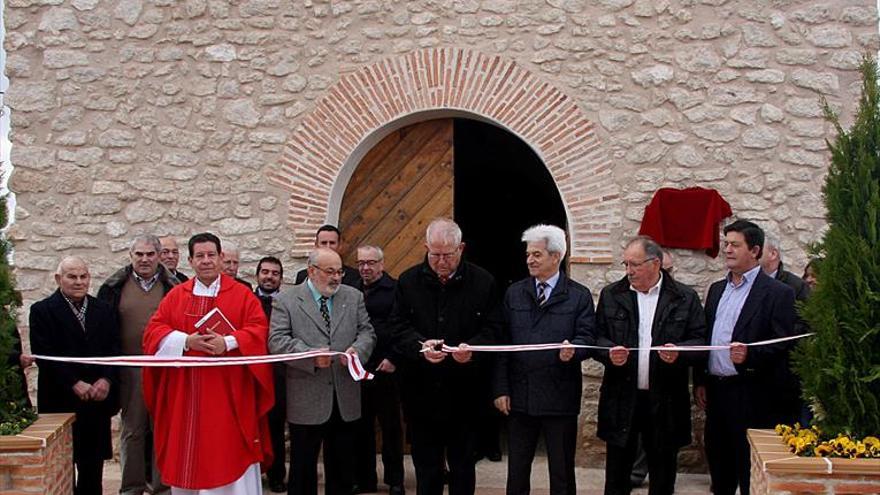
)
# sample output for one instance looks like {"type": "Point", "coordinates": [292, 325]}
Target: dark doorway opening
{"type": "Point", "coordinates": [501, 188]}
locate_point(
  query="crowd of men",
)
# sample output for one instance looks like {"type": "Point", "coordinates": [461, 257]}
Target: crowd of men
{"type": "Point", "coordinates": [212, 430]}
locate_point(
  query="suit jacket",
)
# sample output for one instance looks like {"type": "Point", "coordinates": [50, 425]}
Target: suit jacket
{"type": "Point", "coordinates": [788, 403]}
{"type": "Point", "coordinates": [678, 319]}
{"type": "Point", "coordinates": [379, 299]}
{"type": "Point", "coordinates": [767, 313]}
{"type": "Point", "coordinates": [297, 326]}
{"type": "Point", "coordinates": [539, 383]}
{"type": "Point", "coordinates": [55, 331]}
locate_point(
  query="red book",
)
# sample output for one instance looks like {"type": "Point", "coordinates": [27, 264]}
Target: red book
{"type": "Point", "coordinates": [216, 322]}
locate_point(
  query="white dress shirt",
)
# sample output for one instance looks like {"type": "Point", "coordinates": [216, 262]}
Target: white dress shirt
{"type": "Point", "coordinates": [647, 308]}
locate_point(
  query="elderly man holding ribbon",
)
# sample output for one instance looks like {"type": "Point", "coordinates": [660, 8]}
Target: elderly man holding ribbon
{"type": "Point", "coordinates": [646, 392]}
{"type": "Point", "coordinates": [540, 391]}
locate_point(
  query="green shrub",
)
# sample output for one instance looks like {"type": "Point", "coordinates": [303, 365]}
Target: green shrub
{"type": "Point", "coordinates": [15, 411]}
{"type": "Point", "coordinates": [840, 366]}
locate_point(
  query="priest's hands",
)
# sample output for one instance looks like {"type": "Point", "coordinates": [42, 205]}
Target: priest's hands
{"type": "Point", "coordinates": [201, 342]}
{"type": "Point", "coordinates": [217, 342]}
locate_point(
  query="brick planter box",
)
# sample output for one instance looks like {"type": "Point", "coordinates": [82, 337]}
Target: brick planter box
{"type": "Point", "coordinates": [40, 459]}
{"type": "Point", "coordinates": [775, 470]}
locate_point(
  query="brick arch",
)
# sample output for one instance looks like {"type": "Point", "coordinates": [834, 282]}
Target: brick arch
{"type": "Point", "coordinates": [367, 104]}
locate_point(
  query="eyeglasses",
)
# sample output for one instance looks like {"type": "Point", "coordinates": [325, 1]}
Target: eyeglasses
{"type": "Point", "coordinates": [636, 264]}
{"type": "Point", "coordinates": [330, 271]}
{"type": "Point", "coordinates": [443, 256]}
{"type": "Point", "coordinates": [369, 263]}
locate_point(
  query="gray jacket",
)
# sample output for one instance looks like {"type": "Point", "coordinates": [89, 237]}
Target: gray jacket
{"type": "Point", "coordinates": [297, 326]}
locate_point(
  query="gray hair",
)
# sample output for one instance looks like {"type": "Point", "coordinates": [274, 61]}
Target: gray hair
{"type": "Point", "coordinates": [313, 255]}
{"type": "Point", "coordinates": [374, 248]}
{"type": "Point", "coordinates": [146, 239]}
{"type": "Point", "coordinates": [552, 236]}
{"type": "Point", "coordinates": [772, 242]}
{"type": "Point", "coordinates": [69, 260]}
{"type": "Point", "coordinates": [652, 249]}
{"type": "Point", "coordinates": [230, 247]}
{"type": "Point", "coordinates": [444, 229]}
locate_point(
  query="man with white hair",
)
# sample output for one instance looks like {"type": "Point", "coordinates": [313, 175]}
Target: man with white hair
{"type": "Point", "coordinates": [787, 403]}
{"type": "Point", "coordinates": [231, 263]}
{"type": "Point", "coordinates": [540, 392]}
{"type": "Point", "coordinates": [70, 322]}
{"type": "Point", "coordinates": [443, 300]}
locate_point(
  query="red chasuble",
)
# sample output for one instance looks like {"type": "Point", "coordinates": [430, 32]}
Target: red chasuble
{"type": "Point", "coordinates": [210, 424]}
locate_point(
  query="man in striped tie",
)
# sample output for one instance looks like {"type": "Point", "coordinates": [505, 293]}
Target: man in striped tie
{"type": "Point", "coordinates": [540, 391]}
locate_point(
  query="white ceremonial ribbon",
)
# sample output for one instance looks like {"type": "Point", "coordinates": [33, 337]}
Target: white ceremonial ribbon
{"type": "Point", "coordinates": [554, 346]}
{"type": "Point", "coordinates": [355, 368]}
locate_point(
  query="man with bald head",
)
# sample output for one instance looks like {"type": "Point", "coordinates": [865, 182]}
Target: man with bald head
{"type": "Point", "coordinates": [324, 401]}
{"type": "Point", "coordinates": [72, 323]}
{"type": "Point", "coordinates": [169, 256]}
{"type": "Point", "coordinates": [231, 262]}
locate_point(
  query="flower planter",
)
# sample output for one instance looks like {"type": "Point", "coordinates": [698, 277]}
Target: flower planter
{"type": "Point", "coordinates": [775, 470]}
{"type": "Point", "coordinates": [39, 459]}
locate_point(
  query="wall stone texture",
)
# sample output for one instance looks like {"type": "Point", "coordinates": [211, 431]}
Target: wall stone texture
{"type": "Point", "coordinates": [169, 116]}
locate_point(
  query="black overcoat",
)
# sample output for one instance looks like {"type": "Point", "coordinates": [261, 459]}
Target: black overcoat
{"type": "Point", "coordinates": [467, 309]}
{"type": "Point", "coordinates": [679, 320]}
{"type": "Point", "coordinates": [538, 382]}
{"type": "Point", "coordinates": [55, 331]}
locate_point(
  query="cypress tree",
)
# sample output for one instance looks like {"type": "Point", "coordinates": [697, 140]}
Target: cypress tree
{"type": "Point", "coordinates": [840, 366]}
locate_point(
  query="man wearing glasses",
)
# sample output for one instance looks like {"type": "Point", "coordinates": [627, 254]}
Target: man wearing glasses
{"type": "Point", "coordinates": [443, 300]}
{"type": "Point", "coordinates": [323, 399]}
{"type": "Point", "coordinates": [381, 396]}
{"type": "Point", "coordinates": [646, 393]}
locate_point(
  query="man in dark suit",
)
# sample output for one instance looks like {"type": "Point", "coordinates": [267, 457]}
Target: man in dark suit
{"type": "Point", "coordinates": [788, 407]}
{"type": "Point", "coordinates": [380, 397]}
{"type": "Point", "coordinates": [270, 273]}
{"type": "Point", "coordinates": [443, 300]}
{"type": "Point", "coordinates": [72, 323]}
{"type": "Point", "coordinates": [321, 314]}
{"type": "Point", "coordinates": [646, 394]}
{"type": "Point", "coordinates": [329, 237]}
{"type": "Point", "coordinates": [736, 386]}
{"type": "Point", "coordinates": [540, 392]}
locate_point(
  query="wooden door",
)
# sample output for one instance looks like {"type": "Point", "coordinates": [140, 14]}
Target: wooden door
{"type": "Point", "coordinates": [402, 184]}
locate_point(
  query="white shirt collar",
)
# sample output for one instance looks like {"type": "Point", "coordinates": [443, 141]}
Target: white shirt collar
{"type": "Point", "coordinates": [653, 290]}
{"type": "Point", "coordinates": [551, 282]}
{"type": "Point", "coordinates": [200, 289]}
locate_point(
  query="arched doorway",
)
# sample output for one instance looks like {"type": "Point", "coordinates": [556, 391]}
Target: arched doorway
{"type": "Point", "coordinates": [485, 177]}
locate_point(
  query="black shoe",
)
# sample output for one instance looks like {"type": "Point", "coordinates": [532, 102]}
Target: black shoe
{"type": "Point", "coordinates": [494, 456]}
{"type": "Point", "coordinates": [396, 490]}
{"type": "Point", "coordinates": [364, 489]}
{"type": "Point", "coordinates": [277, 486]}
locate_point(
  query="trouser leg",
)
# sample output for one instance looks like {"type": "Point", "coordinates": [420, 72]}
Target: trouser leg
{"type": "Point", "coordinates": [523, 433]}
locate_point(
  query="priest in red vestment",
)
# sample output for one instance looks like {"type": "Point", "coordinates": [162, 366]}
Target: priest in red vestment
{"type": "Point", "coordinates": [211, 429]}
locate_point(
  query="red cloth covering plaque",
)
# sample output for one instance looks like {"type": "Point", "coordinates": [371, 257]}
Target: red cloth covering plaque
{"type": "Point", "coordinates": [686, 218]}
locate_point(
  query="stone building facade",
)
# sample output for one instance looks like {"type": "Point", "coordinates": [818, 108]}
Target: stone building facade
{"type": "Point", "coordinates": [246, 117]}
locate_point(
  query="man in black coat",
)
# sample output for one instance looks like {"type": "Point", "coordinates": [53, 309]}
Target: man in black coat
{"type": "Point", "coordinates": [269, 274]}
{"type": "Point", "coordinates": [443, 301]}
{"type": "Point", "coordinates": [72, 323]}
{"type": "Point", "coordinates": [380, 397]}
{"type": "Point", "coordinates": [736, 386]}
{"type": "Point", "coordinates": [540, 392]}
{"type": "Point", "coordinates": [328, 236]}
{"type": "Point", "coordinates": [788, 406]}
{"type": "Point", "coordinates": [646, 393]}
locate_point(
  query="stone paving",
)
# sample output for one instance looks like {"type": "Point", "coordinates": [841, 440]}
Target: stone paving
{"type": "Point", "coordinates": [491, 477]}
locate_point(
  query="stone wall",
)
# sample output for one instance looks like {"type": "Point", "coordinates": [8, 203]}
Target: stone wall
{"type": "Point", "coordinates": [164, 116]}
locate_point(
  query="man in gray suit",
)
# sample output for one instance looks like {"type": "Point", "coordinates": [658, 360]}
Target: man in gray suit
{"type": "Point", "coordinates": [323, 400]}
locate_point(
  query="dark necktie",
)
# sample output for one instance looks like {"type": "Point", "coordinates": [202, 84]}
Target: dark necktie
{"type": "Point", "coordinates": [325, 311]}
{"type": "Point", "coordinates": [542, 293]}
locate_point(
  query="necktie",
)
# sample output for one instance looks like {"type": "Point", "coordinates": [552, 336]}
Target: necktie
{"type": "Point", "coordinates": [325, 311]}
{"type": "Point", "coordinates": [542, 293]}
